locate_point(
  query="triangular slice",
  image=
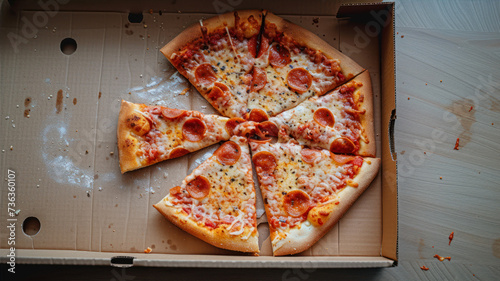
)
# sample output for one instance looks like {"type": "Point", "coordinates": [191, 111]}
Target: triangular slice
{"type": "Point", "coordinates": [340, 121]}
{"type": "Point", "coordinates": [306, 191]}
{"type": "Point", "coordinates": [150, 134]}
{"type": "Point", "coordinates": [217, 202]}
{"type": "Point", "coordinates": [297, 65]}
{"type": "Point", "coordinates": [215, 55]}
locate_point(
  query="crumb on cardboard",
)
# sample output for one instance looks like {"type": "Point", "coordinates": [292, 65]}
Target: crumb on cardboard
{"type": "Point", "coordinates": [457, 143]}
{"type": "Point", "coordinates": [184, 91]}
{"type": "Point", "coordinates": [451, 237]}
{"type": "Point", "coordinates": [148, 250]}
{"type": "Point", "coordinates": [423, 267]}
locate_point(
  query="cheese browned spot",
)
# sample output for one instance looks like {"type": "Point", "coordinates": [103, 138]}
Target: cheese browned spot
{"type": "Point", "coordinates": [178, 152]}
{"type": "Point", "coordinates": [258, 115]}
{"type": "Point", "coordinates": [310, 155]}
{"type": "Point", "coordinates": [342, 145]}
{"type": "Point", "coordinates": [139, 124]}
{"type": "Point", "coordinates": [296, 203]}
{"type": "Point", "coordinates": [194, 129]}
{"type": "Point", "coordinates": [198, 188]}
{"type": "Point", "coordinates": [265, 162]}
{"type": "Point", "coordinates": [173, 113]}
{"type": "Point", "coordinates": [299, 80]}
{"type": "Point", "coordinates": [259, 79]}
{"type": "Point", "coordinates": [279, 56]}
{"type": "Point", "coordinates": [324, 117]}
{"type": "Point", "coordinates": [205, 75]}
{"type": "Point", "coordinates": [229, 153]}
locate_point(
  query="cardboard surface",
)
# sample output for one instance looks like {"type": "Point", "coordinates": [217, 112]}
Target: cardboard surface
{"type": "Point", "coordinates": [72, 182]}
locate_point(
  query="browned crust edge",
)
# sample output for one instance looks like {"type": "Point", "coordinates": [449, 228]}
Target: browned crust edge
{"type": "Point", "coordinates": [127, 158]}
{"type": "Point", "coordinates": [367, 119]}
{"type": "Point", "coordinates": [347, 197]}
{"type": "Point", "coordinates": [216, 237]}
{"type": "Point", "coordinates": [303, 36]}
{"type": "Point", "coordinates": [194, 31]}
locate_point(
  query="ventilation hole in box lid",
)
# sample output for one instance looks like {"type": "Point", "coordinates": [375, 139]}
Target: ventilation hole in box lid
{"type": "Point", "coordinates": [68, 46]}
{"type": "Point", "coordinates": [135, 17]}
{"type": "Point", "coordinates": [31, 226]}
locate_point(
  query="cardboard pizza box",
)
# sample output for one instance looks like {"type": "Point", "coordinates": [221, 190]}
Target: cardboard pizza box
{"type": "Point", "coordinates": [64, 68]}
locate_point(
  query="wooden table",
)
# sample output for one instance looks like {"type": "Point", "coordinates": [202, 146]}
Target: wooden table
{"type": "Point", "coordinates": [448, 87]}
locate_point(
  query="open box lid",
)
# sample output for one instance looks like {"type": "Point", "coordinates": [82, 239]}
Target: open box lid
{"type": "Point", "coordinates": [89, 215]}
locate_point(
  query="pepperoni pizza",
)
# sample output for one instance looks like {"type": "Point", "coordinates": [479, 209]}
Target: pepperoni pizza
{"type": "Point", "coordinates": [272, 81]}
{"type": "Point", "coordinates": [306, 191]}
{"type": "Point", "coordinates": [256, 61]}
{"type": "Point", "coordinates": [150, 134]}
{"type": "Point", "coordinates": [216, 202]}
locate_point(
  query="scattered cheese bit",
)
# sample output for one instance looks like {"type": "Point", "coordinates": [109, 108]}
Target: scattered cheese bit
{"type": "Point", "coordinates": [471, 108]}
{"type": "Point", "coordinates": [425, 84]}
{"type": "Point", "coordinates": [11, 147]}
{"type": "Point", "coordinates": [184, 91]}
{"type": "Point", "coordinates": [408, 98]}
{"type": "Point", "coordinates": [145, 26]}
{"type": "Point", "coordinates": [402, 36]}
{"type": "Point", "coordinates": [423, 267]}
{"type": "Point", "coordinates": [440, 81]}
{"type": "Point", "coordinates": [440, 178]}
{"type": "Point", "coordinates": [148, 250]}
{"type": "Point", "coordinates": [451, 237]}
{"type": "Point", "coordinates": [111, 153]}
{"type": "Point", "coordinates": [151, 11]}
{"type": "Point", "coordinates": [456, 144]}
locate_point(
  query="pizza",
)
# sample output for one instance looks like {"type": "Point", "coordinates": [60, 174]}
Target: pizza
{"type": "Point", "coordinates": [254, 64]}
{"type": "Point", "coordinates": [150, 134]}
{"type": "Point", "coordinates": [303, 110]}
{"type": "Point", "coordinates": [306, 191]}
{"type": "Point", "coordinates": [216, 202]}
{"type": "Point", "coordinates": [340, 121]}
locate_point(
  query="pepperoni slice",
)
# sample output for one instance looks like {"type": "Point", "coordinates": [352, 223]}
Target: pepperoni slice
{"type": "Point", "coordinates": [198, 188]}
{"type": "Point", "coordinates": [194, 129]}
{"type": "Point", "coordinates": [178, 152]}
{"type": "Point", "coordinates": [342, 145]}
{"type": "Point", "coordinates": [342, 159]}
{"type": "Point", "coordinates": [296, 203]}
{"type": "Point", "coordinates": [252, 46]}
{"type": "Point", "coordinates": [267, 128]}
{"type": "Point", "coordinates": [258, 115]}
{"type": "Point", "coordinates": [279, 56]}
{"type": "Point", "coordinates": [229, 153]}
{"type": "Point", "coordinates": [264, 162]}
{"type": "Point", "coordinates": [259, 79]}
{"type": "Point", "coordinates": [205, 74]}
{"type": "Point", "coordinates": [299, 80]}
{"type": "Point", "coordinates": [216, 93]}
{"type": "Point", "coordinates": [310, 155]}
{"type": "Point", "coordinates": [324, 117]}
{"type": "Point", "coordinates": [222, 86]}
{"type": "Point", "coordinates": [173, 113]}
{"type": "Point", "coordinates": [175, 191]}
{"type": "Point", "coordinates": [232, 123]}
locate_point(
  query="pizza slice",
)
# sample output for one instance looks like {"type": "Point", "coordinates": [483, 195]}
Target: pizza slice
{"type": "Point", "coordinates": [340, 121]}
{"type": "Point", "coordinates": [150, 134]}
{"type": "Point", "coordinates": [215, 55]}
{"type": "Point", "coordinates": [306, 191]}
{"type": "Point", "coordinates": [293, 64]}
{"type": "Point", "coordinates": [217, 202]}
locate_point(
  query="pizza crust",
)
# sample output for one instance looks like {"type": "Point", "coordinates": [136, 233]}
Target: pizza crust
{"type": "Point", "coordinates": [299, 240]}
{"type": "Point", "coordinates": [218, 237]}
{"type": "Point", "coordinates": [194, 31]}
{"type": "Point", "coordinates": [303, 36]}
{"type": "Point", "coordinates": [127, 144]}
{"type": "Point", "coordinates": [370, 148]}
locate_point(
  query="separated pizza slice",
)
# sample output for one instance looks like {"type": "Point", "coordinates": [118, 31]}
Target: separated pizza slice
{"type": "Point", "coordinates": [217, 201]}
{"type": "Point", "coordinates": [293, 64]}
{"type": "Point", "coordinates": [340, 121]}
{"type": "Point", "coordinates": [217, 56]}
{"type": "Point", "coordinates": [150, 134]}
{"type": "Point", "coordinates": [306, 191]}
